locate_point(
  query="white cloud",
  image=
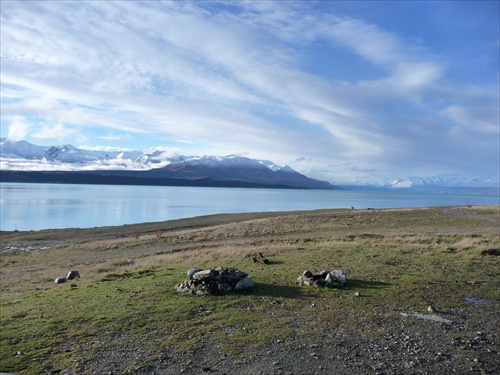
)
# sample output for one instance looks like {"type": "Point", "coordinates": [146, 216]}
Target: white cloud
{"type": "Point", "coordinates": [55, 132]}
{"type": "Point", "coordinates": [484, 120]}
{"type": "Point", "coordinates": [18, 129]}
{"type": "Point", "coordinates": [367, 40]}
{"type": "Point", "coordinates": [233, 78]}
{"type": "Point", "coordinates": [114, 137]}
{"type": "Point", "coordinates": [104, 148]}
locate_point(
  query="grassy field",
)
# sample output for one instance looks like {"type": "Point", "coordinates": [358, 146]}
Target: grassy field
{"type": "Point", "coordinates": [129, 318]}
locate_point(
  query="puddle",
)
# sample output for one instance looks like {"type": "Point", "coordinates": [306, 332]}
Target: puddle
{"type": "Point", "coordinates": [475, 300]}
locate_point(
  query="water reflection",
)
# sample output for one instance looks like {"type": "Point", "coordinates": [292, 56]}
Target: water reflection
{"type": "Point", "coordinates": [46, 206]}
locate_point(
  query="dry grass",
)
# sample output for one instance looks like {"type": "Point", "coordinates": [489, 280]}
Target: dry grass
{"type": "Point", "coordinates": [462, 229]}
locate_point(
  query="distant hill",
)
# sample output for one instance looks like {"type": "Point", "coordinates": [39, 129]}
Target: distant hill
{"type": "Point", "coordinates": [68, 164]}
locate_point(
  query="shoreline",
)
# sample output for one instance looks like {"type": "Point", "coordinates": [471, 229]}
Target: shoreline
{"type": "Point", "coordinates": [44, 207]}
{"type": "Point", "coordinates": [228, 217]}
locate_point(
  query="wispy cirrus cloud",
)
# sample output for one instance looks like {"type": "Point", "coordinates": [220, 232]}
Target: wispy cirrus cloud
{"type": "Point", "coordinates": [287, 81]}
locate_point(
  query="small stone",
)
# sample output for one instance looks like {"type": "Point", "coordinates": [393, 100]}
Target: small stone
{"type": "Point", "coordinates": [309, 282]}
{"type": "Point", "coordinates": [431, 308]}
{"type": "Point", "coordinates": [301, 280]}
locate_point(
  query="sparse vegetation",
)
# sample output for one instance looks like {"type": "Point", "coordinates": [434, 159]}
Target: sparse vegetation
{"type": "Point", "coordinates": [128, 318]}
{"type": "Point", "coordinates": [159, 232]}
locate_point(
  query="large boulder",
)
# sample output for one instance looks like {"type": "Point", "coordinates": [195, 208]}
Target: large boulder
{"type": "Point", "coordinates": [73, 275]}
{"type": "Point", "coordinates": [204, 275]}
{"type": "Point", "coordinates": [335, 277]}
{"type": "Point", "coordinates": [244, 284]}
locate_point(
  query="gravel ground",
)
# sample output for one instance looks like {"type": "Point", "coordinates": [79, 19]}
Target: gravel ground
{"type": "Point", "coordinates": [394, 344]}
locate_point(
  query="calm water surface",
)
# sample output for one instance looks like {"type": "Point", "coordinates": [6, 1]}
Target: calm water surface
{"type": "Point", "coordinates": [47, 206]}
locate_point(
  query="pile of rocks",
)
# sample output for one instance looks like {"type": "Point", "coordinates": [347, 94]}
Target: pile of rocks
{"type": "Point", "coordinates": [218, 281]}
{"type": "Point", "coordinates": [324, 278]}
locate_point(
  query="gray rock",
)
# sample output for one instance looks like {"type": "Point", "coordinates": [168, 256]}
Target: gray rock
{"type": "Point", "coordinates": [307, 274]}
{"type": "Point", "coordinates": [244, 284]}
{"type": "Point", "coordinates": [204, 275]}
{"type": "Point", "coordinates": [336, 277]}
{"type": "Point", "coordinates": [182, 288]}
{"type": "Point", "coordinates": [301, 280]}
{"type": "Point", "coordinates": [224, 287]}
{"type": "Point", "coordinates": [60, 280]}
{"type": "Point", "coordinates": [234, 276]}
{"type": "Point", "coordinates": [191, 272]}
{"type": "Point", "coordinates": [309, 282]}
{"type": "Point", "coordinates": [72, 275]}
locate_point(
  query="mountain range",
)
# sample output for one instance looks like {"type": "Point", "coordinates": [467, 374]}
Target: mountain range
{"type": "Point", "coordinates": [21, 161]}
{"type": "Point", "coordinates": [26, 162]}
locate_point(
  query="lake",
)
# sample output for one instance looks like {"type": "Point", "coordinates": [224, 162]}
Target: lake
{"type": "Point", "coordinates": [50, 206]}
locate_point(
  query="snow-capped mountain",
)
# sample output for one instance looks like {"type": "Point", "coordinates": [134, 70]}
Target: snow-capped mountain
{"type": "Point", "coordinates": [444, 181]}
{"type": "Point", "coordinates": [432, 182]}
{"type": "Point", "coordinates": [23, 160]}
{"type": "Point", "coordinates": [69, 157]}
{"type": "Point", "coordinates": [158, 164]}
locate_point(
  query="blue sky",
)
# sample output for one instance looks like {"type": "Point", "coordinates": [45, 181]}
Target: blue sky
{"type": "Point", "coordinates": [341, 91]}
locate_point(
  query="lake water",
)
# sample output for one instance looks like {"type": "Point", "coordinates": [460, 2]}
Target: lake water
{"type": "Point", "coordinates": [49, 206]}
